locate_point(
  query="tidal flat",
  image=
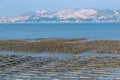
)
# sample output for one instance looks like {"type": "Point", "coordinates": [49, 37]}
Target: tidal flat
{"type": "Point", "coordinates": [67, 59]}
{"type": "Point", "coordinates": [71, 68]}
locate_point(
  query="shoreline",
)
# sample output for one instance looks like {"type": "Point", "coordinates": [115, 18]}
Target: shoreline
{"type": "Point", "coordinates": [55, 65]}
{"type": "Point", "coordinates": [58, 22]}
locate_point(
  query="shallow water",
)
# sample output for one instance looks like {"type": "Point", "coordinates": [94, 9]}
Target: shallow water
{"type": "Point", "coordinates": [59, 55]}
{"type": "Point", "coordinates": [88, 54]}
{"type": "Point", "coordinates": [74, 75]}
{"type": "Point", "coordinates": [42, 54]}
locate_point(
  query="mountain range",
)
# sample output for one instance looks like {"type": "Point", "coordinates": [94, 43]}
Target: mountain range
{"type": "Point", "coordinates": [65, 16]}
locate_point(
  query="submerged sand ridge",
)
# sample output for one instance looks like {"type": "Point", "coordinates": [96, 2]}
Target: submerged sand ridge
{"type": "Point", "coordinates": [75, 45]}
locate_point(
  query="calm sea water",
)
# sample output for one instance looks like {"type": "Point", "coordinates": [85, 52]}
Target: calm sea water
{"type": "Point", "coordinates": [109, 31]}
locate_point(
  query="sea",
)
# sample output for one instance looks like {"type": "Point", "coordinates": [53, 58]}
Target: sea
{"type": "Point", "coordinates": [92, 31]}
{"type": "Point", "coordinates": [102, 31]}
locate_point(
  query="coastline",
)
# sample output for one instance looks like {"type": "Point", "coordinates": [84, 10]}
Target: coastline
{"type": "Point", "coordinates": [18, 62]}
{"type": "Point", "coordinates": [84, 22]}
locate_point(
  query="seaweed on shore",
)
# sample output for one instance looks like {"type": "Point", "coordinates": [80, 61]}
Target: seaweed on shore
{"type": "Point", "coordinates": [76, 45]}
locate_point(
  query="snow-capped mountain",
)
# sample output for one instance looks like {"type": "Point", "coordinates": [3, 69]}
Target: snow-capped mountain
{"type": "Point", "coordinates": [66, 15]}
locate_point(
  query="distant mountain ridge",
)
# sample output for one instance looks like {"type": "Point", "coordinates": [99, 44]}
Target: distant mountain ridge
{"type": "Point", "coordinates": [65, 16]}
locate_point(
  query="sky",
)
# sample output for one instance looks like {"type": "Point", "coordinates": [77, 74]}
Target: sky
{"type": "Point", "coordinates": [17, 7]}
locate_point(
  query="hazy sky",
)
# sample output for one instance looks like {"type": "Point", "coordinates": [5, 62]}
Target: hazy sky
{"type": "Point", "coordinates": [16, 7]}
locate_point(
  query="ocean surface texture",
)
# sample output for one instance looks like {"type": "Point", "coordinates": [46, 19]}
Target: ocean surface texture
{"type": "Point", "coordinates": [107, 31]}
